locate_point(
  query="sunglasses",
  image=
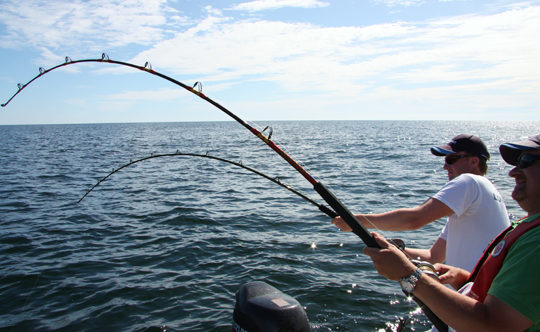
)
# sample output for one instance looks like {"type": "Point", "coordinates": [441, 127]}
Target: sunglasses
{"type": "Point", "coordinates": [450, 160]}
{"type": "Point", "coordinates": [527, 160]}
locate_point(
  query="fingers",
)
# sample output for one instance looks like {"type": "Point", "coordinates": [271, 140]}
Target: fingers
{"type": "Point", "coordinates": [446, 275]}
{"type": "Point", "coordinates": [389, 261]}
{"type": "Point", "coordinates": [440, 268]}
{"type": "Point", "coordinates": [381, 241]}
{"type": "Point", "coordinates": [339, 222]}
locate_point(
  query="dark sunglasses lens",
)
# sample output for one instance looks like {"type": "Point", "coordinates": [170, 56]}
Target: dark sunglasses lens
{"type": "Point", "coordinates": [527, 160]}
{"type": "Point", "coordinates": [450, 160]}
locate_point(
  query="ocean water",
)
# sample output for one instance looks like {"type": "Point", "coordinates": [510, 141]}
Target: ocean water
{"type": "Point", "coordinates": [164, 244]}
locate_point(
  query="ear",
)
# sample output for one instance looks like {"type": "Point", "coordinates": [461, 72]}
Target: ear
{"type": "Point", "coordinates": [474, 162]}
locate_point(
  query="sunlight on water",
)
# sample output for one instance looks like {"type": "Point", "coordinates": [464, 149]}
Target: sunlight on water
{"type": "Point", "coordinates": [168, 243]}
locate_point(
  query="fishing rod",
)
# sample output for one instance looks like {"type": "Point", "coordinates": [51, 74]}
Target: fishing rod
{"type": "Point", "coordinates": [326, 210]}
{"type": "Point", "coordinates": [320, 188]}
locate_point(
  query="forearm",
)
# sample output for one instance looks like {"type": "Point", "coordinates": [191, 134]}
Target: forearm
{"type": "Point", "coordinates": [421, 255]}
{"type": "Point", "coordinates": [456, 310]}
{"type": "Point", "coordinates": [463, 313]}
{"type": "Point", "coordinates": [436, 254]}
{"type": "Point", "coordinates": [397, 220]}
{"type": "Point", "coordinates": [401, 219]}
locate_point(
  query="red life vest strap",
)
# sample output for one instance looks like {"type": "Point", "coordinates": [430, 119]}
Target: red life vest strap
{"type": "Point", "coordinates": [491, 262]}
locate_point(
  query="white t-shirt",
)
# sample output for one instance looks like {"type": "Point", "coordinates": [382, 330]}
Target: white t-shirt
{"type": "Point", "coordinates": [479, 216]}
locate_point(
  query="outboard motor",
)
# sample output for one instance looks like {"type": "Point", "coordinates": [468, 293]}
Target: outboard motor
{"type": "Point", "coordinates": [262, 308]}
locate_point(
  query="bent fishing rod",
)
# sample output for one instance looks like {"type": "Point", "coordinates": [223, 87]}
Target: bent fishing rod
{"type": "Point", "coordinates": [276, 180]}
{"type": "Point", "coordinates": [321, 189]}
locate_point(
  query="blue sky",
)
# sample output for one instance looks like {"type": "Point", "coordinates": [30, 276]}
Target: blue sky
{"type": "Point", "coordinates": [272, 60]}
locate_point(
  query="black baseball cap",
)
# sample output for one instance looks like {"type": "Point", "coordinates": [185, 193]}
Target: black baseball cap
{"type": "Point", "coordinates": [464, 142]}
{"type": "Point", "coordinates": [510, 152]}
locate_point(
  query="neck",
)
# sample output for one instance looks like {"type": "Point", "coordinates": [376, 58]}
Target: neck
{"type": "Point", "coordinates": [533, 212]}
{"type": "Point", "coordinates": [476, 171]}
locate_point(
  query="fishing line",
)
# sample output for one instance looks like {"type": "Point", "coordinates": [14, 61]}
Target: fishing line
{"type": "Point", "coordinates": [276, 180]}
{"type": "Point", "coordinates": [320, 188]}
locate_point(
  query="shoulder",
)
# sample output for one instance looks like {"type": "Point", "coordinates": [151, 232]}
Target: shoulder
{"type": "Point", "coordinates": [522, 263]}
{"type": "Point", "coordinates": [528, 242]}
{"type": "Point", "coordinates": [469, 177]}
{"type": "Point", "coordinates": [525, 251]}
{"type": "Point", "coordinates": [462, 181]}
{"type": "Point", "coordinates": [462, 191]}
{"type": "Point", "coordinates": [472, 181]}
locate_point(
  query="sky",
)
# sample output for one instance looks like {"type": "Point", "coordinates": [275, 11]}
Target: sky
{"type": "Point", "coordinates": [271, 60]}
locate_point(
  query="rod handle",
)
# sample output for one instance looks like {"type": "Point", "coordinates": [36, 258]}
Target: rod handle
{"type": "Point", "coordinates": [347, 216]}
{"type": "Point", "coordinates": [329, 212]}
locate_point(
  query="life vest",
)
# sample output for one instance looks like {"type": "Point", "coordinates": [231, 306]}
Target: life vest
{"type": "Point", "coordinates": [491, 262]}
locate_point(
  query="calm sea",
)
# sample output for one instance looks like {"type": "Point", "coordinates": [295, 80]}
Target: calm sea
{"type": "Point", "coordinates": [165, 244]}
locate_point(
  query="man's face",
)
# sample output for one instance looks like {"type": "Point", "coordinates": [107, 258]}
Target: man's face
{"type": "Point", "coordinates": [527, 189]}
{"type": "Point", "coordinates": [459, 163]}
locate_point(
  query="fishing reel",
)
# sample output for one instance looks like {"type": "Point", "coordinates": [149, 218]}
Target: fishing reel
{"type": "Point", "coordinates": [425, 267]}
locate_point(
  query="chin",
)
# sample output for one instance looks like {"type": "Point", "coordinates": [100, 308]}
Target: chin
{"type": "Point", "coordinates": [519, 195]}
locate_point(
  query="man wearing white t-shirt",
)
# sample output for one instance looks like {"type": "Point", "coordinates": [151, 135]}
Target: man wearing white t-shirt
{"type": "Point", "coordinates": [476, 211]}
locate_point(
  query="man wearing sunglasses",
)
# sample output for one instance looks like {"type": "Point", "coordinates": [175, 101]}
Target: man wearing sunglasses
{"type": "Point", "coordinates": [503, 291]}
{"type": "Point", "coordinates": [476, 211]}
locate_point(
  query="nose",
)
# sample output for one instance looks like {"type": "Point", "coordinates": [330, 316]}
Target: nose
{"type": "Point", "coordinates": [514, 172]}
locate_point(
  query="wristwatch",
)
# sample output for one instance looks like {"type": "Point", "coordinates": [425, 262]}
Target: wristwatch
{"type": "Point", "coordinates": [409, 283]}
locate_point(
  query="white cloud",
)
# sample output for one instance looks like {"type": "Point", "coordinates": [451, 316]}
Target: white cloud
{"type": "Point", "coordinates": [210, 10]}
{"type": "Point", "coordinates": [392, 3]}
{"type": "Point", "coordinates": [163, 94]}
{"type": "Point", "coordinates": [443, 60]}
{"type": "Point", "coordinates": [49, 57]}
{"type": "Point", "coordinates": [305, 57]}
{"type": "Point", "coordinates": [260, 5]}
{"type": "Point", "coordinates": [94, 24]}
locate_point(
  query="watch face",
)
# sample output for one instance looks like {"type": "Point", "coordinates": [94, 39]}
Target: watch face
{"type": "Point", "coordinates": [407, 285]}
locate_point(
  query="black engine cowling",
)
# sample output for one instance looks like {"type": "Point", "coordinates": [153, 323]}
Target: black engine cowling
{"type": "Point", "coordinates": [262, 308]}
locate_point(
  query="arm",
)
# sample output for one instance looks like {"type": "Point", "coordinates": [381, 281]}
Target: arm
{"type": "Point", "coordinates": [402, 219]}
{"type": "Point", "coordinates": [437, 253]}
{"type": "Point", "coordinates": [466, 314]}
{"type": "Point", "coordinates": [459, 311]}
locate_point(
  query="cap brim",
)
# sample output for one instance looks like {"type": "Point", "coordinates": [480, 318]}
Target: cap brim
{"type": "Point", "coordinates": [441, 150]}
{"type": "Point", "coordinates": [510, 152]}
